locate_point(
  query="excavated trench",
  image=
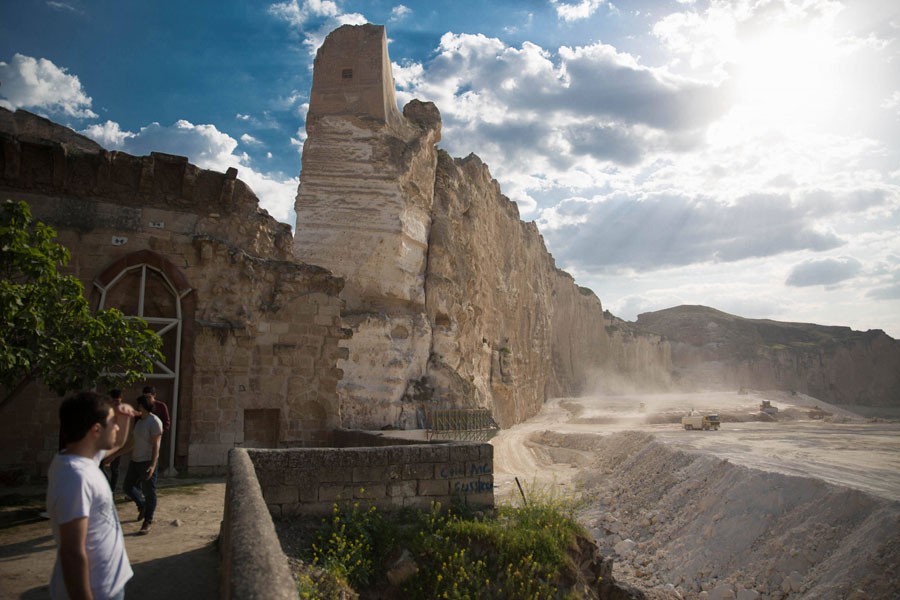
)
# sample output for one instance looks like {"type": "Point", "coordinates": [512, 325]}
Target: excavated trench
{"type": "Point", "coordinates": [688, 524]}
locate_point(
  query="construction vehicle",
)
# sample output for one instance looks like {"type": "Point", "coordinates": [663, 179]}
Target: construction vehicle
{"type": "Point", "coordinates": [704, 422]}
{"type": "Point", "coordinates": [766, 407]}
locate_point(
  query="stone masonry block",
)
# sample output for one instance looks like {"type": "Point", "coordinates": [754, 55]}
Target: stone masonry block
{"type": "Point", "coordinates": [479, 467]}
{"type": "Point", "coordinates": [424, 503]}
{"type": "Point", "coordinates": [486, 452]}
{"type": "Point", "coordinates": [464, 452]}
{"type": "Point", "coordinates": [377, 474]}
{"type": "Point", "coordinates": [402, 489]}
{"type": "Point", "coordinates": [434, 453]}
{"type": "Point", "coordinates": [308, 493]}
{"type": "Point", "coordinates": [418, 471]}
{"type": "Point", "coordinates": [281, 494]}
{"type": "Point", "coordinates": [371, 490]}
{"type": "Point", "coordinates": [334, 493]}
{"type": "Point", "coordinates": [450, 470]}
{"type": "Point", "coordinates": [437, 487]}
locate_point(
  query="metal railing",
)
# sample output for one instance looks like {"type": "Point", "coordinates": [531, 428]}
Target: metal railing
{"type": "Point", "coordinates": [467, 424]}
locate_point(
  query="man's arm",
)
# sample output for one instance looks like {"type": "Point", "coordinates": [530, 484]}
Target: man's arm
{"type": "Point", "coordinates": [154, 442]}
{"type": "Point", "coordinates": [164, 415]}
{"type": "Point", "coordinates": [74, 560]}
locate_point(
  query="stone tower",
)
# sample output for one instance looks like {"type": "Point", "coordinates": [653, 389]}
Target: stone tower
{"type": "Point", "coordinates": [352, 76]}
{"type": "Point", "coordinates": [364, 212]}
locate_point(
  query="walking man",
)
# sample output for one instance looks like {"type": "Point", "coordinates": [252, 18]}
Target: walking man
{"type": "Point", "coordinates": [142, 470]}
{"type": "Point", "coordinates": [91, 561]}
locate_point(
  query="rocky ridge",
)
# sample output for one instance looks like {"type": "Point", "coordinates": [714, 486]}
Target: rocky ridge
{"type": "Point", "coordinates": [713, 349]}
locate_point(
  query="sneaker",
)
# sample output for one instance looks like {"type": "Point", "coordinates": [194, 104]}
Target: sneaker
{"type": "Point", "coordinates": [145, 528]}
{"type": "Point", "coordinates": [140, 516]}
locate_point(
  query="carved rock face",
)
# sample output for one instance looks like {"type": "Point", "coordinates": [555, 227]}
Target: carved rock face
{"type": "Point", "coordinates": [446, 289]}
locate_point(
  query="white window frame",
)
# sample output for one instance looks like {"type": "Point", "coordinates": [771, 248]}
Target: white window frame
{"type": "Point", "coordinates": [163, 371]}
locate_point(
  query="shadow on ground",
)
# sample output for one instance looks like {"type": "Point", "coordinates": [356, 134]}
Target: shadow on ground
{"type": "Point", "coordinates": [191, 575]}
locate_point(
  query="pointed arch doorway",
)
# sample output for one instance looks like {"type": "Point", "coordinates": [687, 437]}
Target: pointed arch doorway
{"type": "Point", "coordinates": [146, 285]}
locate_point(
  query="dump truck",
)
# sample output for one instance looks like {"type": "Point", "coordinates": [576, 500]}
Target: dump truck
{"type": "Point", "coordinates": [704, 422]}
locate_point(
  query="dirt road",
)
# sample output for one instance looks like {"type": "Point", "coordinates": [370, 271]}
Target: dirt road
{"type": "Point", "coordinates": [848, 451]}
{"type": "Point", "coordinates": [177, 560]}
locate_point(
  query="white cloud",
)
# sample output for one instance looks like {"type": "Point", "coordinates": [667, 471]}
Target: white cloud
{"type": "Point", "coordinates": [892, 103]}
{"type": "Point", "coordinates": [109, 135]}
{"type": "Point", "coordinates": [399, 12]}
{"type": "Point", "coordinates": [38, 84]}
{"type": "Point", "coordinates": [576, 12]}
{"type": "Point", "coordinates": [314, 19]}
{"type": "Point", "coordinates": [250, 140]}
{"type": "Point", "coordinates": [63, 6]}
{"type": "Point", "coordinates": [570, 116]}
{"type": "Point", "coordinates": [206, 147]}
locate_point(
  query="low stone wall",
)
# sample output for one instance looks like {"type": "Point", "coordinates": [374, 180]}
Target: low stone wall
{"type": "Point", "coordinates": [252, 563]}
{"type": "Point", "coordinates": [308, 481]}
{"type": "Point", "coordinates": [298, 481]}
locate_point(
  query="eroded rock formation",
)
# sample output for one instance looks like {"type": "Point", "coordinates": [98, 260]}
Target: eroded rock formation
{"type": "Point", "coordinates": [452, 299]}
{"type": "Point", "coordinates": [713, 349]}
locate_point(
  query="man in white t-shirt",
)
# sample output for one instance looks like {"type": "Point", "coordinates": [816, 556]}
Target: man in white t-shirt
{"type": "Point", "coordinates": [140, 480]}
{"type": "Point", "coordinates": [91, 561]}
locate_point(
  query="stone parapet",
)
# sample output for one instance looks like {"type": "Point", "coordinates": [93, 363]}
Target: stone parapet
{"type": "Point", "coordinates": [309, 481]}
{"type": "Point", "coordinates": [252, 564]}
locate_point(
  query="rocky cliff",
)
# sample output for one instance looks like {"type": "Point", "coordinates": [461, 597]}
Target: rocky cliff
{"type": "Point", "coordinates": [453, 301]}
{"type": "Point", "coordinates": [712, 349]}
{"type": "Point", "coordinates": [509, 328]}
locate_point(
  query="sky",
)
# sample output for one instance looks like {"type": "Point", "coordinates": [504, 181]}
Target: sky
{"type": "Point", "coordinates": [743, 154]}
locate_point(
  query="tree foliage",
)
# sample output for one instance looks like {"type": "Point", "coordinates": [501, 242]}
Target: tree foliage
{"type": "Point", "coordinates": [47, 330]}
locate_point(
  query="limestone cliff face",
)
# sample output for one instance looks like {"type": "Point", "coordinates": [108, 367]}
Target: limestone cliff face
{"type": "Point", "coordinates": [489, 297]}
{"type": "Point", "coordinates": [452, 300]}
{"type": "Point", "coordinates": [364, 212]}
{"type": "Point", "coordinates": [836, 364]}
{"type": "Point", "coordinates": [595, 352]}
{"type": "Point", "coordinates": [509, 328]}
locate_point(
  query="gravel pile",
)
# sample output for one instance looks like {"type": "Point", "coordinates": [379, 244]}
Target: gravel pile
{"type": "Point", "coordinates": [684, 525]}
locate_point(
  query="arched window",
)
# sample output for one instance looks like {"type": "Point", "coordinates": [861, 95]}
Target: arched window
{"type": "Point", "coordinates": [144, 289]}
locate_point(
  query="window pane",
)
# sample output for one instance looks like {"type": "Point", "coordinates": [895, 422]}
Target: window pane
{"type": "Point", "coordinates": [159, 299]}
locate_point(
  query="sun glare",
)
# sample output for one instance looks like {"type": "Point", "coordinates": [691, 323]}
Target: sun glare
{"type": "Point", "coordinates": [786, 79]}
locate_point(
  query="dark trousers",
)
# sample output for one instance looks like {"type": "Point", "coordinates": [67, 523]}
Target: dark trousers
{"type": "Point", "coordinates": [140, 489]}
{"type": "Point", "coordinates": [113, 476]}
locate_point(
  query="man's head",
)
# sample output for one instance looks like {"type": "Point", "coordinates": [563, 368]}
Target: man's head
{"type": "Point", "coordinates": [88, 414]}
{"type": "Point", "coordinates": [150, 391]}
{"type": "Point", "coordinates": [116, 396]}
{"type": "Point", "coordinates": [145, 404]}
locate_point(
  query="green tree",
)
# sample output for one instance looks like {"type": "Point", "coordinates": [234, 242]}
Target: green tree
{"type": "Point", "coordinates": [47, 330]}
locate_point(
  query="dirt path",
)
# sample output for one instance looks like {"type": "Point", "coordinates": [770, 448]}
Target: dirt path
{"type": "Point", "coordinates": [178, 559]}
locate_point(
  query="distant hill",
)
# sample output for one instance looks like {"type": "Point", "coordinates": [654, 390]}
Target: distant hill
{"type": "Point", "coordinates": [714, 349]}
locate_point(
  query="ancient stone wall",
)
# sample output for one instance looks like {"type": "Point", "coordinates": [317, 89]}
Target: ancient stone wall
{"type": "Point", "coordinates": [309, 481]}
{"type": "Point", "coordinates": [259, 331]}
